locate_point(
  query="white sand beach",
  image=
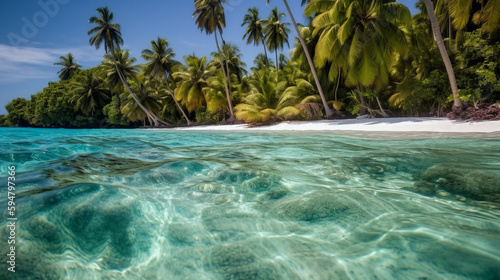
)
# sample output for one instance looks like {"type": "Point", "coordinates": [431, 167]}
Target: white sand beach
{"type": "Point", "coordinates": [443, 125]}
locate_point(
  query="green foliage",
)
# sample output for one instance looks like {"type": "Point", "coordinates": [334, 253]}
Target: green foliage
{"type": "Point", "coordinates": [206, 117]}
{"type": "Point", "coordinates": [209, 15]}
{"type": "Point", "coordinates": [275, 32]}
{"type": "Point", "coordinates": [118, 59]}
{"type": "Point", "coordinates": [105, 32]}
{"type": "Point", "coordinates": [479, 68]}
{"type": "Point", "coordinates": [367, 54]}
{"type": "Point", "coordinates": [433, 91]}
{"type": "Point", "coordinates": [90, 93]}
{"type": "Point", "coordinates": [52, 107]}
{"type": "Point", "coordinates": [486, 15]}
{"type": "Point", "coordinates": [191, 83]}
{"type": "Point", "coordinates": [279, 98]}
{"type": "Point", "coordinates": [253, 33]}
{"type": "Point", "coordinates": [261, 102]}
{"type": "Point", "coordinates": [4, 121]}
{"type": "Point", "coordinates": [69, 67]}
{"type": "Point", "coordinates": [231, 55]}
{"type": "Point", "coordinates": [215, 94]}
{"type": "Point", "coordinates": [362, 38]}
{"type": "Point", "coordinates": [146, 93]}
{"type": "Point", "coordinates": [17, 113]}
{"type": "Point", "coordinates": [425, 86]}
{"type": "Point", "coordinates": [113, 112]}
{"type": "Point", "coordinates": [160, 62]}
{"type": "Point", "coordinates": [84, 121]}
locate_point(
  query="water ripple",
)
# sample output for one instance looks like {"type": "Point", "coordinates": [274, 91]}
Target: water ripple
{"type": "Point", "coordinates": [122, 204]}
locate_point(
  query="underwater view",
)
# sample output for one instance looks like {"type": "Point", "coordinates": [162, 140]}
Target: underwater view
{"type": "Point", "coordinates": [164, 204]}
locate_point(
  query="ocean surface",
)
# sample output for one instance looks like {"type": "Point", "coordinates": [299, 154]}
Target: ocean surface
{"type": "Point", "coordinates": [162, 204]}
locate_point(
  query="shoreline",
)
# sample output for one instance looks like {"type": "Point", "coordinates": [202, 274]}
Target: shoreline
{"type": "Point", "coordinates": [411, 124]}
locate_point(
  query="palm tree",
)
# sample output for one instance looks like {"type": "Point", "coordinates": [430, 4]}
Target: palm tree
{"type": "Point", "coordinates": [105, 32]}
{"type": "Point", "coordinates": [215, 95]}
{"type": "Point", "coordinates": [160, 66]}
{"type": "Point", "coordinates": [283, 61]}
{"type": "Point", "coordinates": [119, 60]}
{"type": "Point", "coordinates": [210, 18]}
{"type": "Point", "coordinates": [89, 93]}
{"type": "Point", "coordinates": [276, 32]}
{"type": "Point", "coordinates": [297, 85]}
{"type": "Point", "coordinates": [443, 15]}
{"type": "Point", "coordinates": [254, 33]}
{"type": "Point", "coordinates": [109, 34]}
{"type": "Point", "coordinates": [231, 57]}
{"type": "Point", "coordinates": [118, 65]}
{"type": "Point", "coordinates": [262, 61]}
{"type": "Point", "coordinates": [69, 67]}
{"type": "Point", "coordinates": [457, 104]}
{"type": "Point", "coordinates": [299, 93]}
{"type": "Point", "coordinates": [263, 102]}
{"type": "Point", "coordinates": [192, 81]}
{"type": "Point", "coordinates": [148, 96]}
{"type": "Point", "coordinates": [328, 111]}
{"type": "Point", "coordinates": [488, 15]}
{"type": "Point", "coordinates": [362, 40]}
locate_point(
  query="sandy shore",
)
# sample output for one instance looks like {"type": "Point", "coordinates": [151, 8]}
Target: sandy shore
{"type": "Point", "coordinates": [376, 125]}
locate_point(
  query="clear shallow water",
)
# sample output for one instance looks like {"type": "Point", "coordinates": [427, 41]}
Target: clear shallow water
{"type": "Point", "coordinates": [135, 204]}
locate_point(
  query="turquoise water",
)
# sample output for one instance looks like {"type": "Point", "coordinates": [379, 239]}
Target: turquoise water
{"type": "Point", "coordinates": [141, 204]}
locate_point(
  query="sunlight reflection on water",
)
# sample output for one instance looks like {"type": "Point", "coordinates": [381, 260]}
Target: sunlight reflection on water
{"type": "Point", "coordinates": [110, 204]}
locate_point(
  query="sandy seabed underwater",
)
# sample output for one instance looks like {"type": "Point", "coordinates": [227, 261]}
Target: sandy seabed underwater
{"type": "Point", "coordinates": [138, 204]}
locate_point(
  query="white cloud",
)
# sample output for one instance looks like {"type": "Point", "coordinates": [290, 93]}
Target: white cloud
{"type": "Point", "coordinates": [25, 72]}
{"type": "Point", "coordinates": [190, 44]}
{"type": "Point", "coordinates": [17, 64]}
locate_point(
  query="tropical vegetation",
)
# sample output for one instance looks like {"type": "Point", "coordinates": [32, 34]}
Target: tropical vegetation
{"type": "Point", "coordinates": [362, 57]}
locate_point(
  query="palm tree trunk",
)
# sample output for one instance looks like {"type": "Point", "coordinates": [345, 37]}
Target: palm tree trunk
{"type": "Point", "coordinates": [124, 82]}
{"type": "Point", "coordinates": [228, 72]}
{"type": "Point", "coordinates": [150, 121]}
{"type": "Point", "coordinates": [337, 87]}
{"type": "Point", "coordinates": [362, 101]}
{"type": "Point", "coordinates": [151, 114]}
{"type": "Point", "coordinates": [277, 62]}
{"type": "Point", "coordinates": [228, 95]}
{"type": "Point", "coordinates": [362, 111]}
{"type": "Point", "coordinates": [175, 100]}
{"type": "Point", "coordinates": [329, 112]}
{"type": "Point", "coordinates": [384, 114]}
{"type": "Point", "coordinates": [444, 54]}
{"type": "Point", "coordinates": [265, 51]}
{"type": "Point", "coordinates": [180, 108]}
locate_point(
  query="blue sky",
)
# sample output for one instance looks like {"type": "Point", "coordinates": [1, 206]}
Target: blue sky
{"type": "Point", "coordinates": [34, 33]}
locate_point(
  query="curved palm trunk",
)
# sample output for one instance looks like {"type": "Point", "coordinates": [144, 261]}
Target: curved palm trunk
{"type": "Point", "coordinates": [175, 100]}
{"type": "Point", "coordinates": [228, 95]}
{"type": "Point", "coordinates": [444, 54]}
{"type": "Point", "coordinates": [228, 73]}
{"type": "Point", "coordinates": [329, 112]}
{"type": "Point", "coordinates": [383, 113]}
{"type": "Point", "coordinates": [150, 114]}
{"type": "Point", "coordinates": [337, 86]}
